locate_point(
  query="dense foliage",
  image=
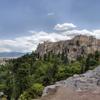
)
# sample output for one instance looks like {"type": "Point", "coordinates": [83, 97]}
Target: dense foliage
{"type": "Point", "coordinates": [24, 78]}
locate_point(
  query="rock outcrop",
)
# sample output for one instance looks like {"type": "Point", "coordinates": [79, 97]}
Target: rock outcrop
{"type": "Point", "coordinates": [88, 83]}
{"type": "Point", "coordinates": [79, 45]}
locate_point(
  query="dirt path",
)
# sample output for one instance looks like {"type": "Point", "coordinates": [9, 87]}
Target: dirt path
{"type": "Point", "coordinates": [64, 93]}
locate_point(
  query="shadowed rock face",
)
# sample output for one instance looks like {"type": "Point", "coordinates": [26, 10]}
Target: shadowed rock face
{"type": "Point", "coordinates": [79, 45]}
{"type": "Point", "coordinates": [79, 87]}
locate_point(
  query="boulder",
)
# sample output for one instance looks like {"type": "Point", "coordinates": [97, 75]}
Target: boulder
{"type": "Point", "coordinates": [89, 81]}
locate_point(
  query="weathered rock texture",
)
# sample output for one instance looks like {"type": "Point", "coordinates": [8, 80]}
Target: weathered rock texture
{"type": "Point", "coordinates": [79, 87]}
{"type": "Point", "coordinates": [79, 45]}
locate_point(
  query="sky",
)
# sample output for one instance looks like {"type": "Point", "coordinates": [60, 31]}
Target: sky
{"type": "Point", "coordinates": [26, 23]}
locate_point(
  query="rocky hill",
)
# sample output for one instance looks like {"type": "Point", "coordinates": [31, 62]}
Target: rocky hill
{"type": "Point", "coordinates": [78, 87]}
{"type": "Point", "coordinates": [77, 46]}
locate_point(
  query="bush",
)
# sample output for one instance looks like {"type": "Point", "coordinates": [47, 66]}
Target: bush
{"type": "Point", "coordinates": [34, 92]}
{"type": "Point", "coordinates": [37, 88]}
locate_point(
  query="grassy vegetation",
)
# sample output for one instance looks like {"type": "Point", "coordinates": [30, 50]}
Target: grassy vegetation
{"type": "Point", "coordinates": [25, 78]}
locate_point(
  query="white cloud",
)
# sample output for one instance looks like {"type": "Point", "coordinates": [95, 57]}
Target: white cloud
{"type": "Point", "coordinates": [29, 43]}
{"type": "Point", "coordinates": [51, 14]}
{"type": "Point", "coordinates": [64, 27]}
{"type": "Point", "coordinates": [96, 33]}
{"type": "Point", "coordinates": [78, 32]}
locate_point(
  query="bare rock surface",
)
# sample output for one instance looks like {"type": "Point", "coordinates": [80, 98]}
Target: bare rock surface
{"type": "Point", "coordinates": [78, 87]}
{"type": "Point", "coordinates": [75, 47]}
{"type": "Point", "coordinates": [65, 93]}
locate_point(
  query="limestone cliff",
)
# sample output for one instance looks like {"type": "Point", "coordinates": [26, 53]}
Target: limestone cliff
{"type": "Point", "coordinates": [79, 45]}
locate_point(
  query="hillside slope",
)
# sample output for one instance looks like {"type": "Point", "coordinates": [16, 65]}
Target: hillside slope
{"type": "Point", "coordinates": [28, 75]}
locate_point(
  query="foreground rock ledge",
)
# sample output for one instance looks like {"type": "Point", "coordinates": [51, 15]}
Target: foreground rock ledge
{"type": "Point", "coordinates": [79, 87]}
